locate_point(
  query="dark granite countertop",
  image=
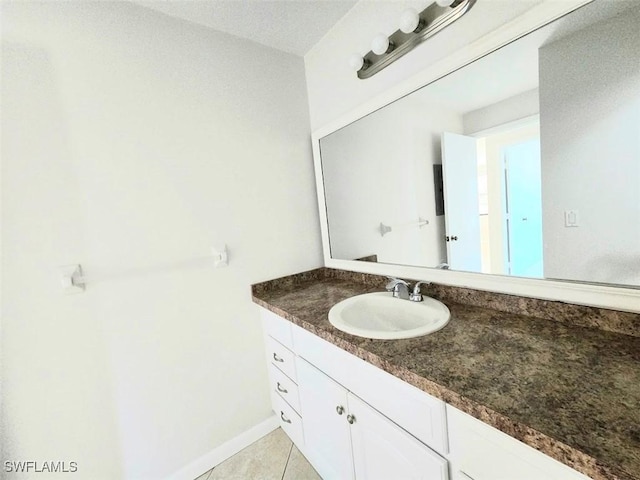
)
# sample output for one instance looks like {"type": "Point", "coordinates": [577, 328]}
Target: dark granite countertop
{"type": "Point", "coordinates": [570, 391]}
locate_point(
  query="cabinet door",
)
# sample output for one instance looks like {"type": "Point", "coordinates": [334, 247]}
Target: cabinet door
{"type": "Point", "coordinates": [382, 450]}
{"type": "Point", "coordinates": [412, 409]}
{"type": "Point", "coordinates": [326, 432]}
{"type": "Point", "coordinates": [480, 452]}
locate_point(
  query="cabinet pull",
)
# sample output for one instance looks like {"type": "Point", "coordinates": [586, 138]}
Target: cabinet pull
{"type": "Point", "coordinates": [340, 409]}
{"type": "Point", "coordinates": [277, 358]}
{"type": "Point", "coordinates": [351, 419]}
{"type": "Point", "coordinates": [283, 418]}
{"type": "Point", "coordinates": [280, 389]}
{"type": "Point", "coordinates": [464, 475]}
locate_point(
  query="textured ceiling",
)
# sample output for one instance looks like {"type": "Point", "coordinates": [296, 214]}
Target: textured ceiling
{"type": "Point", "coordinates": [292, 26]}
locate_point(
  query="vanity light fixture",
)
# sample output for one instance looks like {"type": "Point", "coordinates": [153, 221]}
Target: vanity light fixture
{"type": "Point", "coordinates": [410, 21]}
{"type": "Point", "coordinates": [415, 28]}
{"type": "Point", "coordinates": [381, 44]}
{"type": "Point", "coordinates": [357, 62]}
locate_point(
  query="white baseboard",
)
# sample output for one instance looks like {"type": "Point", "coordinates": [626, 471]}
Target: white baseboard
{"type": "Point", "coordinates": [218, 455]}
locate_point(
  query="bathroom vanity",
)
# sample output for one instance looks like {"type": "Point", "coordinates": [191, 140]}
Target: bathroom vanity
{"type": "Point", "coordinates": [495, 394]}
{"type": "Point", "coordinates": [542, 114]}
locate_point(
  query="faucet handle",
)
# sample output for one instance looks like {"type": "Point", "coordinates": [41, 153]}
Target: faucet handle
{"type": "Point", "coordinates": [416, 296]}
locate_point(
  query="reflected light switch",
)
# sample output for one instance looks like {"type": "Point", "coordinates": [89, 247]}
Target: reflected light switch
{"type": "Point", "coordinates": [571, 218]}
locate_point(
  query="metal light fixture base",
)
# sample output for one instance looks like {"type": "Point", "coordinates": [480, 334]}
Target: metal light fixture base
{"type": "Point", "coordinates": [434, 17]}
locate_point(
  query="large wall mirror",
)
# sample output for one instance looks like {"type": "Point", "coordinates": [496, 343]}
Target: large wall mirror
{"type": "Point", "coordinates": [525, 162]}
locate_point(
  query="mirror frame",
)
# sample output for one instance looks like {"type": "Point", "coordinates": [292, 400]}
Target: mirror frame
{"type": "Point", "coordinates": [597, 295]}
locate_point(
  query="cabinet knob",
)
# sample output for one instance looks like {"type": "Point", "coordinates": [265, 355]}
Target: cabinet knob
{"type": "Point", "coordinates": [283, 418]}
{"type": "Point", "coordinates": [280, 389]}
{"type": "Point", "coordinates": [277, 358]}
{"type": "Point", "coordinates": [340, 409]}
{"type": "Point", "coordinates": [351, 419]}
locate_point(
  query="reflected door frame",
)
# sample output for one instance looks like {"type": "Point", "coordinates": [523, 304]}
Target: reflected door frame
{"type": "Point", "coordinates": [494, 140]}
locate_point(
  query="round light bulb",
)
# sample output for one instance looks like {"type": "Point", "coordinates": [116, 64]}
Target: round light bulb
{"type": "Point", "coordinates": [409, 20]}
{"type": "Point", "coordinates": [444, 3]}
{"type": "Point", "coordinates": [356, 61]}
{"type": "Point", "coordinates": [380, 44]}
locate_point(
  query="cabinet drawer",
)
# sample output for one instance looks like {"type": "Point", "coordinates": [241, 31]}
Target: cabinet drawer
{"type": "Point", "coordinates": [285, 387]}
{"type": "Point", "coordinates": [328, 358]}
{"type": "Point", "coordinates": [281, 357]}
{"type": "Point", "coordinates": [417, 412]}
{"type": "Point", "coordinates": [290, 421]}
{"type": "Point", "coordinates": [277, 327]}
{"type": "Point", "coordinates": [481, 452]}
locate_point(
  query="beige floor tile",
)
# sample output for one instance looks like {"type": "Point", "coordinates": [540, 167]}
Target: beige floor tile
{"type": "Point", "coordinates": [205, 475]}
{"type": "Point", "coordinates": [263, 460]}
{"type": "Point", "coordinates": [299, 468]}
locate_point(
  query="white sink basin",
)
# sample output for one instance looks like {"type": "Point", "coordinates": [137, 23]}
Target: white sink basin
{"type": "Point", "coordinates": [379, 315]}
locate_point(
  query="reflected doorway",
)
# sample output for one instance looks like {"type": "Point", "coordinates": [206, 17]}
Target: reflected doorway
{"type": "Point", "coordinates": [510, 189]}
{"type": "Point", "coordinates": [523, 208]}
{"type": "Point", "coordinates": [493, 200]}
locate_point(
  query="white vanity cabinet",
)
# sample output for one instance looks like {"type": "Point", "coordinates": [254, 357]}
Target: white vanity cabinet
{"type": "Point", "coordinates": [412, 409]}
{"type": "Point", "coordinates": [364, 444]}
{"type": "Point", "coordinates": [481, 452]}
{"type": "Point", "coordinates": [353, 420]}
{"type": "Point", "coordinates": [361, 422]}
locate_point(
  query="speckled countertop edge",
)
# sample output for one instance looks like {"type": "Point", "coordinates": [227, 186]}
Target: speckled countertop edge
{"type": "Point", "coordinates": [584, 316]}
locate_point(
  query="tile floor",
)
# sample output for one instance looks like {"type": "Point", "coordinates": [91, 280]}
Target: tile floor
{"type": "Point", "coordinates": [273, 457]}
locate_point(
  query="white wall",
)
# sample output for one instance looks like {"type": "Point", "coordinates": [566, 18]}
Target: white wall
{"type": "Point", "coordinates": [130, 143]}
{"type": "Point", "coordinates": [380, 169]}
{"type": "Point", "coordinates": [334, 88]}
{"type": "Point", "coordinates": [518, 107]}
{"type": "Point", "coordinates": [590, 135]}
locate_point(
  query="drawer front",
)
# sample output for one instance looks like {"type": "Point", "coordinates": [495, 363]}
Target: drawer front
{"type": "Point", "coordinates": [277, 327]}
{"type": "Point", "coordinates": [285, 387]}
{"type": "Point", "coordinates": [290, 421]}
{"type": "Point", "coordinates": [328, 358]}
{"type": "Point", "coordinates": [417, 412]}
{"type": "Point", "coordinates": [281, 357]}
{"type": "Point", "coordinates": [481, 452]}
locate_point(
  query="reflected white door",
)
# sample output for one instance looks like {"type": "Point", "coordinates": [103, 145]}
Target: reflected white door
{"type": "Point", "coordinates": [462, 213]}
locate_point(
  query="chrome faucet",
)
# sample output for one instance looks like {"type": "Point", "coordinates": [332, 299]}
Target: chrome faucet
{"type": "Point", "coordinates": [400, 289]}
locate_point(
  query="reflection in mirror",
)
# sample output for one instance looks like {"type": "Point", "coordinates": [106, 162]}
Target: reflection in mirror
{"type": "Point", "coordinates": [525, 162]}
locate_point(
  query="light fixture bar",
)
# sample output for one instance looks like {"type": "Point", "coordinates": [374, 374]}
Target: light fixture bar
{"type": "Point", "coordinates": [434, 18]}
